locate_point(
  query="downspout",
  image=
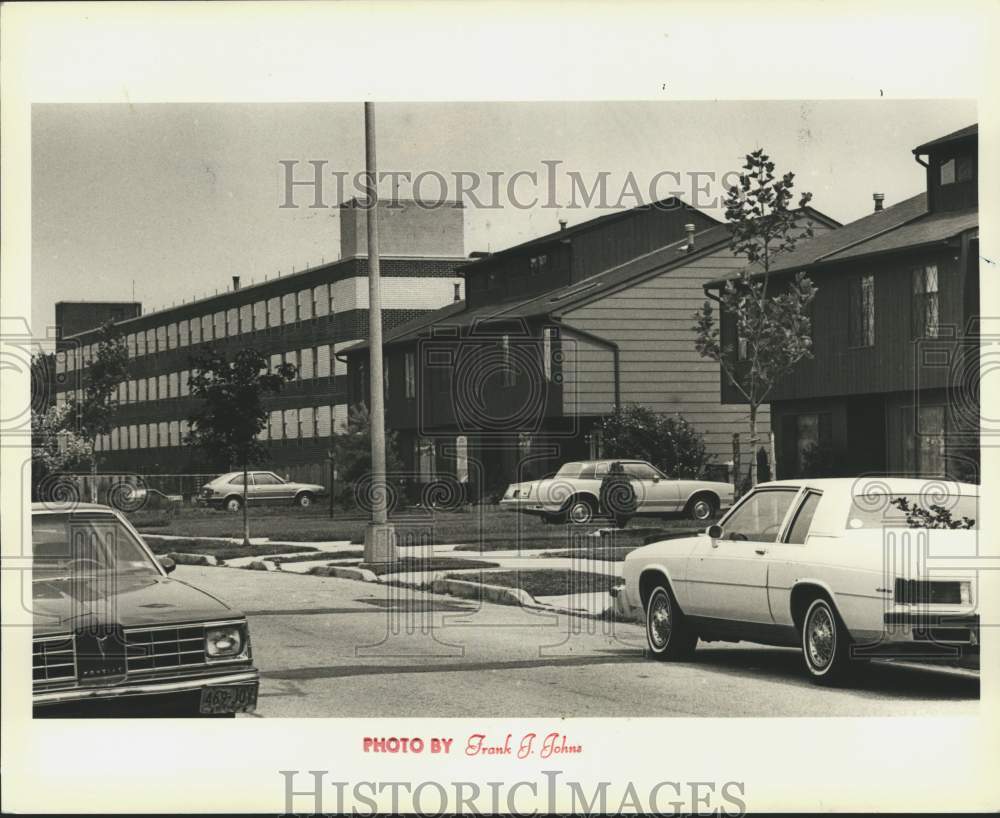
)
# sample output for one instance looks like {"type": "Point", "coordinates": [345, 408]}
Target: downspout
{"type": "Point", "coordinates": [604, 342]}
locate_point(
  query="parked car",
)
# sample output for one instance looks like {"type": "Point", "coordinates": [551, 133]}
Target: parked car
{"type": "Point", "coordinates": [838, 567]}
{"type": "Point", "coordinates": [573, 493]}
{"type": "Point", "coordinates": [114, 635]}
{"type": "Point", "coordinates": [226, 491]}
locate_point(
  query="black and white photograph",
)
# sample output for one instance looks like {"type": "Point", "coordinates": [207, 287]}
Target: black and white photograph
{"type": "Point", "coordinates": [501, 433]}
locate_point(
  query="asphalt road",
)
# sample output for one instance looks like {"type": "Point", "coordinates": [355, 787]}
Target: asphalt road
{"type": "Point", "coordinates": [332, 647]}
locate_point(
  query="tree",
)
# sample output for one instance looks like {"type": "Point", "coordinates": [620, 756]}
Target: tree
{"type": "Point", "coordinates": [772, 331]}
{"type": "Point", "coordinates": [351, 450]}
{"type": "Point", "coordinates": [93, 416]}
{"type": "Point", "coordinates": [232, 412]}
{"type": "Point", "coordinates": [668, 442]}
{"type": "Point", "coordinates": [936, 516]}
{"type": "Point", "coordinates": [56, 449]}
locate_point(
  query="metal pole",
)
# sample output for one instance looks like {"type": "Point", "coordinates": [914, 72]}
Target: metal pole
{"type": "Point", "coordinates": [379, 544]}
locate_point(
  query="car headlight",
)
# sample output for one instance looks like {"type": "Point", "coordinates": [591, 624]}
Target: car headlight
{"type": "Point", "coordinates": [224, 642]}
{"type": "Point", "coordinates": [965, 592]}
{"type": "Point", "coordinates": [527, 491]}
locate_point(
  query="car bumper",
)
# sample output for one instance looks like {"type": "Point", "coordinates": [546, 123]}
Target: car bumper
{"type": "Point", "coordinates": [170, 687]}
{"type": "Point", "coordinates": [525, 506]}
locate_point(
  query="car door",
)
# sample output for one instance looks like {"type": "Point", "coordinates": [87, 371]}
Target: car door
{"type": "Point", "coordinates": [788, 558]}
{"type": "Point", "coordinates": [268, 487]}
{"type": "Point", "coordinates": [727, 575]}
{"type": "Point", "coordinates": [655, 494]}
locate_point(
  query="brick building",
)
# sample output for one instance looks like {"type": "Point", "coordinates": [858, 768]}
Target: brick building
{"type": "Point", "coordinates": [306, 319]}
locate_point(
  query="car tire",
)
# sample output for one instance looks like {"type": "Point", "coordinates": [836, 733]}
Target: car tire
{"type": "Point", "coordinates": [702, 507]}
{"type": "Point", "coordinates": [668, 635]}
{"type": "Point", "coordinates": [233, 504]}
{"type": "Point", "coordinates": [826, 645]}
{"type": "Point", "coordinates": [304, 500]}
{"type": "Point", "coordinates": [580, 511]}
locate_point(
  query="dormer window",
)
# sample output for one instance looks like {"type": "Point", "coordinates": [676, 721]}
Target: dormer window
{"type": "Point", "coordinates": [538, 264]}
{"type": "Point", "coordinates": [948, 172]}
{"type": "Point", "coordinates": [964, 171]}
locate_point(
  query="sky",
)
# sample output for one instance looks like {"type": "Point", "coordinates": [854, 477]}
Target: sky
{"type": "Point", "coordinates": [174, 199]}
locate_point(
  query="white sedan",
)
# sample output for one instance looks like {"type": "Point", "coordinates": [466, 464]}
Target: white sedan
{"type": "Point", "coordinates": [573, 493]}
{"type": "Point", "coordinates": [846, 569]}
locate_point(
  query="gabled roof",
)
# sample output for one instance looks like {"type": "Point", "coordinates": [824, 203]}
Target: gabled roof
{"type": "Point", "coordinates": [904, 226]}
{"type": "Point", "coordinates": [967, 132]}
{"type": "Point", "coordinates": [671, 202]}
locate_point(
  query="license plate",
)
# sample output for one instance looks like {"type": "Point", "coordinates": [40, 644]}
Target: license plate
{"type": "Point", "coordinates": [228, 699]}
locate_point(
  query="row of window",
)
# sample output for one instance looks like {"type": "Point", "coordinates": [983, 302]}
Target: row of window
{"type": "Point", "coordinates": [274, 312]}
{"type": "Point", "coordinates": [288, 424]}
{"type": "Point", "coordinates": [924, 306]}
{"type": "Point", "coordinates": [310, 362]}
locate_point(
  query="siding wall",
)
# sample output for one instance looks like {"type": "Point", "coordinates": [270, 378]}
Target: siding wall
{"type": "Point", "coordinates": [660, 368]}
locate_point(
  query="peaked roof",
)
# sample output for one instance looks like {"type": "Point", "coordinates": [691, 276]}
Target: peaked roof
{"type": "Point", "coordinates": [967, 132]}
{"type": "Point", "coordinates": [903, 226]}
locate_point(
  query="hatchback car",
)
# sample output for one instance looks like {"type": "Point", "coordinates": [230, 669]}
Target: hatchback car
{"type": "Point", "coordinates": [263, 487]}
{"type": "Point", "coordinates": [114, 635]}
{"type": "Point", "coordinates": [844, 569]}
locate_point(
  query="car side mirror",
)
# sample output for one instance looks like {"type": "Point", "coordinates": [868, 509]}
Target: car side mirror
{"type": "Point", "coordinates": [166, 564]}
{"type": "Point", "coordinates": [714, 531]}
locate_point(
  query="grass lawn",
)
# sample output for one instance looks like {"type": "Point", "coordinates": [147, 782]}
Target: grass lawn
{"type": "Point", "coordinates": [545, 581]}
{"type": "Point", "coordinates": [484, 528]}
{"type": "Point", "coordinates": [219, 550]}
{"type": "Point", "coordinates": [600, 554]}
{"type": "Point", "coordinates": [407, 564]}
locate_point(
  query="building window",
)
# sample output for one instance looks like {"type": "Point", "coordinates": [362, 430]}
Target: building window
{"type": "Point", "coordinates": [288, 309]}
{"type": "Point", "coordinates": [861, 317]}
{"type": "Point", "coordinates": [161, 339]}
{"type": "Point", "coordinates": [161, 387]}
{"type": "Point", "coordinates": [147, 436]}
{"type": "Point", "coordinates": [151, 388]}
{"type": "Point", "coordinates": [219, 324]}
{"type": "Point", "coordinates": [122, 392]}
{"type": "Point", "coordinates": [185, 383]}
{"type": "Point", "coordinates": [321, 301]}
{"type": "Point", "coordinates": [195, 331]}
{"type": "Point", "coordinates": [323, 361]}
{"type": "Point", "coordinates": [143, 395]}
{"type": "Point", "coordinates": [232, 322]}
{"type": "Point", "coordinates": [538, 264]}
{"type": "Point", "coordinates": [924, 440]}
{"type": "Point", "coordinates": [276, 428]}
{"type": "Point", "coordinates": [424, 457]}
{"type": "Point", "coordinates": [925, 306]}
{"type": "Point", "coordinates": [114, 439]}
{"type": "Point", "coordinates": [150, 341]}
{"type": "Point", "coordinates": [183, 331]}
{"type": "Point", "coordinates": [163, 432]}
{"type": "Point", "coordinates": [274, 312]}
{"type": "Point", "coordinates": [275, 363]}
{"type": "Point", "coordinates": [206, 328]}
{"type": "Point", "coordinates": [305, 305]}
{"type": "Point", "coordinates": [292, 357]}
{"type": "Point", "coordinates": [175, 433]}
{"type": "Point", "coordinates": [307, 362]}
{"type": "Point", "coordinates": [172, 386]}
{"type": "Point", "coordinates": [813, 440]}
{"type": "Point", "coordinates": [132, 387]}
{"type": "Point", "coordinates": [260, 315]}
{"type": "Point", "coordinates": [948, 172]}
{"type": "Point", "coordinates": [410, 374]}
{"type": "Point", "coordinates": [130, 344]}
{"type": "Point", "coordinates": [509, 376]}
{"type": "Point", "coordinates": [291, 424]}
{"type": "Point", "coordinates": [307, 426]}
{"type": "Point", "coordinates": [171, 336]}
{"type": "Point", "coordinates": [322, 421]}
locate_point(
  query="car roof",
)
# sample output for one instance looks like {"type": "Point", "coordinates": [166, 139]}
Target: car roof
{"type": "Point", "coordinates": [882, 484]}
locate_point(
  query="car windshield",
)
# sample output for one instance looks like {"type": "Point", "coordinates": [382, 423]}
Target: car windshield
{"type": "Point", "coordinates": [570, 470]}
{"type": "Point", "coordinates": [913, 511]}
{"type": "Point", "coordinates": [68, 546]}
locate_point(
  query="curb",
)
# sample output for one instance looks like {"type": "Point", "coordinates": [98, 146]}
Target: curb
{"type": "Point", "coordinates": [194, 559]}
{"type": "Point", "coordinates": [494, 593]}
{"type": "Point", "coordinates": [343, 572]}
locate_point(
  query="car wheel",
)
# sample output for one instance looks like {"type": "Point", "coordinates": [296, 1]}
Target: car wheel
{"type": "Point", "coordinates": [668, 634]}
{"type": "Point", "coordinates": [580, 511]}
{"type": "Point", "coordinates": [702, 507]}
{"type": "Point", "coordinates": [233, 504]}
{"type": "Point", "coordinates": [304, 500]}
{"type": "Point", "coordinates": [825, 643]}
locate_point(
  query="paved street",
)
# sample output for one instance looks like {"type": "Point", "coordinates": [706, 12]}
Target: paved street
{"type": "Point", "coordinates": [333, 647]}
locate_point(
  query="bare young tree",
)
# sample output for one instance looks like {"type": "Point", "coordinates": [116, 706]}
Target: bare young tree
{"type": "Point", "coordinates": [773, 332]}
{"type": "Point", "coordinates": [232, 412]}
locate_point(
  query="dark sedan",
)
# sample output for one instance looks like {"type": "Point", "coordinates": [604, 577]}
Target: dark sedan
{"type": "Point", "coordinates": [114, 635]}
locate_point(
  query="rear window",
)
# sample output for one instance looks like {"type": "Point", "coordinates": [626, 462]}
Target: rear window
{"type": "Point", "coordinates": [913, 511]}
{"type": "Point", "coordinates": [570, 470]}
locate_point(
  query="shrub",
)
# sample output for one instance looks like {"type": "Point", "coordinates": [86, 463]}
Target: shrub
{"type": "Point", "coordinates": [669, 442]}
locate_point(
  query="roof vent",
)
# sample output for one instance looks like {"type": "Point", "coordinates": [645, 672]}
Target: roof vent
{"type": "Point", "coordinates": [236, 283]}
{"type": "Point", "coordinates": [689, 228]}
{"type": "Point", "coordinates": [562, 224]}
{"type": "Point", "coordinates": [879, 200]}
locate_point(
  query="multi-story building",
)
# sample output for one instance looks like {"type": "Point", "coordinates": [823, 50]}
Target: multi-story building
{"type": "Point", "coordinates": [305, 319]}
{"type": "Point", "coordinates": [554, 334]}
{"type": "Point", "coordinates": [893, 384]}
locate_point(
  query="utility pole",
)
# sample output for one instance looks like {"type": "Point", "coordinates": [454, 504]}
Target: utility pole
{"type": "Point", "coordinates": [380, 540]}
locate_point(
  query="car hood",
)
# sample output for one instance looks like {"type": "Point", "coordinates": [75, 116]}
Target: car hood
{"type": "Point", "coordinates": [675, 546]}
{"type": "Point", "coordinates": [61, 605]}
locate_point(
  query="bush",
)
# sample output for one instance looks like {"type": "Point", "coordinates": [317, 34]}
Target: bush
{"type": "Point", "coordinates": [669, 442]}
